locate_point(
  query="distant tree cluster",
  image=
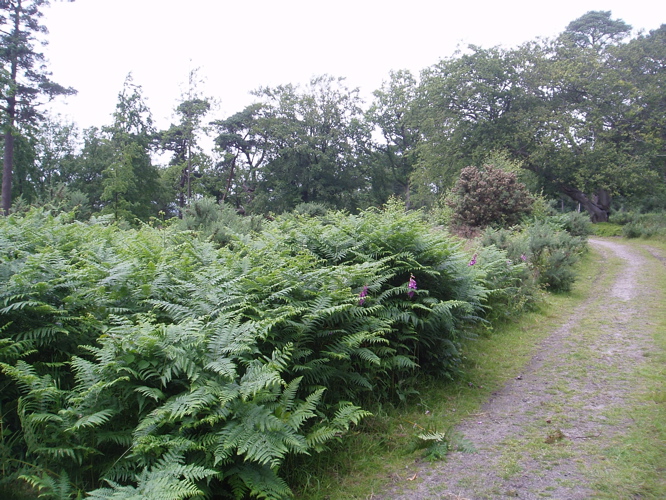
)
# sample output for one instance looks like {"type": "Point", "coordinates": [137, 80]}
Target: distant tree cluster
{"type": "Point", "coordinates": [584, 113]}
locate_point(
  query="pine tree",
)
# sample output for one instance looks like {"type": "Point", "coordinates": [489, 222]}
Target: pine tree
{"type": "Point", "coordinates": [23, 77]}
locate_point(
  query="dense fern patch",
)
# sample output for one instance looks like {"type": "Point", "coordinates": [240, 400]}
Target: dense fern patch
{"type": "Point", "coordinates": [151, 363]}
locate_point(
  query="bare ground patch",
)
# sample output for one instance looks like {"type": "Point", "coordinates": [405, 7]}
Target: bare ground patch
{"type": "Point", "coordinates": [543, 434]}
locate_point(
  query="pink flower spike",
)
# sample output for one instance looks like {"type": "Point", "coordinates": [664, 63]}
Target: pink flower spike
{"type": "Point", "coordinates": [523, 258]}
{"type": "Point", "coordinates": [363, 295]}
{"type": "Point", "coordinates": [473, 261]}
{"type": "Point", "coordinates": [412, 286]}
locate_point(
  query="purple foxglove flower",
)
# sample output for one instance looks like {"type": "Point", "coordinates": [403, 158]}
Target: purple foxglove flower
{"type": "Point", "coordinates": [523, 258]}
{"type": "Point", "coordinates": [412, 286]}
{"type": "Point", "coordinates": [473, 261]}
{"type": "Point", "coordinates": [363, 295]}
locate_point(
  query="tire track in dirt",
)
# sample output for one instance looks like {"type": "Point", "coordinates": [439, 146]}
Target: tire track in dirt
{"type": "Point", "coordinates": [539, 435]}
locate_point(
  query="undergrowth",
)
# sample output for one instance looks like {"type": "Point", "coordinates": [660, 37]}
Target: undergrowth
{"type": "Point", "coordinates": [161, 363]}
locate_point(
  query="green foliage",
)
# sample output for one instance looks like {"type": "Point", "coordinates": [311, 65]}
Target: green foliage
{"type": "Point", "coordinates": [157, 377]}
{"type": "Point", "coordinates": [388, 247]}
{"type": "Point", "coordinates": [549, 251]}
{"type": "Point", "coordinates": [216, 221]}
{"type": "Point", "coordinates": [25, 83]}
{"type": "Point", "coordinates": [636, 225]}
{"type": "Point", "coordinates": [512, 287]}
{"type": "Point", "coordinates": [147, 362]}
{"type": "Point", "coordinates": [130, 182]}
{"type": "Point", "coordinates": [313, 142]}
{"type": "Point", "coordinates": [437, 445]}
{"type": "Point", "coordinates": [581, 112]}
{"type": "Point", "coordinates": [488, 196]}
{"type": "Point", "coordinates": [395, 154]}
{"type": "Point", "coordinates": [607, 229]}
{"type": "Point", "coordinates": [574, 223]}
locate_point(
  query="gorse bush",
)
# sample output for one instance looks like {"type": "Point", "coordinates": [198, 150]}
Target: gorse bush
{"type": "Point", "coordinates": [546, 247]}
{"type": "Point", "coordinates": [641, 225]}
{"type": "Point", "coordinates": [150, 363]}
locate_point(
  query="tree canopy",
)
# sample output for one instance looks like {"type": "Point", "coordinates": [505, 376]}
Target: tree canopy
{"type": "Point", "coordinates": [583, 113]}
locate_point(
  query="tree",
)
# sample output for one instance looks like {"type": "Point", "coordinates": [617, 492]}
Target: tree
{"type": "Point", "coordinates": [467, 106]}
{"type": "Point", "coordinates": [24, 78]}
{"type": "Point", "coordinates": [181, 138]}
{"type": "Point", "coordinates": [130, 183]}
{"type": "Point", "coordinates": [318, 144]}
{"type": "Point", "coordinates": [57, 150]}
{"type": "Point", "coordinates": [575, 111]}
{"type": "Point", "coordinates": [392, 115]}
{"type": "Point", "coordinates": [87, 174]}
{"type": "Point", "coordinates": [244, 146]}
{"type": "Point", "coordinates": [588, 154]}
{"type": "Point", "coordinates": [595, 29]}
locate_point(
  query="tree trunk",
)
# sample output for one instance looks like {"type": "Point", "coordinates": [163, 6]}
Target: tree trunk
{"type": "Point", "coordinates": [8, 159]}
{"type": "Point", "coordinates": [598, 205]}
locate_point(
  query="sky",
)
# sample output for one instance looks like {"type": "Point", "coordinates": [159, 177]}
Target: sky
{"type": "Point", "coordinates": [242, 45]}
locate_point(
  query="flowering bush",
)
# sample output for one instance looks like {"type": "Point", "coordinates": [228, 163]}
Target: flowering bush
{"type": "Point", "coordinates": [488, 196]}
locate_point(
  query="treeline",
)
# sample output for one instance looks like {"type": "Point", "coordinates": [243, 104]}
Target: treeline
{"type": "Point", "coordinates": [582, 115]}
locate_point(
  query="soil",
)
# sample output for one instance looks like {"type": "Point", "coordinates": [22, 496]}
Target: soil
{"type": "Point", "coordinates": [543, 434]}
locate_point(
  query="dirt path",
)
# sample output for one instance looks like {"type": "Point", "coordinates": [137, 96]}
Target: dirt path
{"type": "Point", "coordinates": [543, 434]}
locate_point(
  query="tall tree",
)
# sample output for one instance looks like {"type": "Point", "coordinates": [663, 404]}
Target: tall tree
{"type": "Point", "coordinates": [182, 138]}
{"type": "Point", "coordinates": [468, 106]}
{"type": "Point", "coordinates": [57, 149]}
{"type": "Point", "coordinates": [596, 29]}
{"type": "Point", "coordinates": [392, 114]}
{"type": "Point", "coordinates": [24, 78]}
{"type": "Point", "coordinates": [319, 141]}
{"type": "Point", "coordinates": [131, 185]}
{"type": "Point", "coordinates": [243, 144]}
{"type": "Point", "coordinates": [87, 173]}
{"type": "Point", "coordinates": [570, 110]}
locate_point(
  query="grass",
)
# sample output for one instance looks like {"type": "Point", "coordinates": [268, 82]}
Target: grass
{"type": "Point", "coordinates": [378, 453]}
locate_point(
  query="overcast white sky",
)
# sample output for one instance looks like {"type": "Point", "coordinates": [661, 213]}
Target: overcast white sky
{"type": "Point", "coordinates": [241, 45]}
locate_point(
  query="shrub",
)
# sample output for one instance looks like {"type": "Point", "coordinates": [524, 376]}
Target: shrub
{"type": "Point", "coordinates": [550, 252]}
{"type": "Point", "coordinates": [151, 341]}
{"type": "Point", "coordinates": [218, 222]}
{"type": "Point", "coordinates": [422, 330]}
{"type": "Point", "coordinates": [512, 288]}
{"type": "Point", "coordinates": [149, 360]}
{"type": "Point", "coordinates": [607, 229]}
{"type": "Point", "coordinates": [643, 225]}
{"type": "Point", "coordinates": [134, 360]}
{"type": "Point", "coordinates": [488, 196]}
{"type": "Point", "coordinates": [575, 223]}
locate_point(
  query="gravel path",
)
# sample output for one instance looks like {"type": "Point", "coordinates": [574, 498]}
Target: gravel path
{"type": "Point", "coordinates": [541, 436]}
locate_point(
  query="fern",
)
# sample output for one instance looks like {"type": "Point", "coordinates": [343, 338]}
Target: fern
{"type": "Point", "coordinates": [437, 445]}
{"type": "Point", "coordinates": [49, 487]}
